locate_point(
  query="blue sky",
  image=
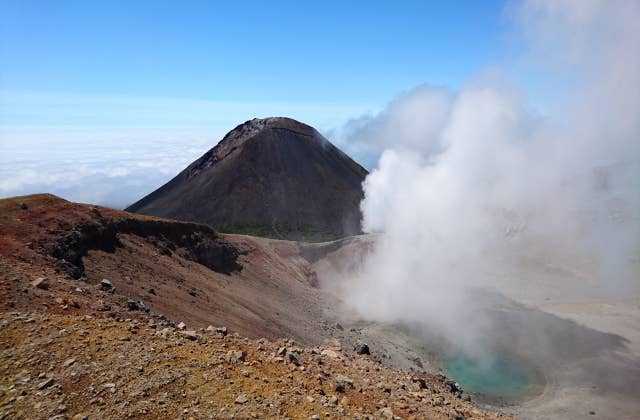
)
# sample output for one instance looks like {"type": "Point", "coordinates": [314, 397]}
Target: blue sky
{"type": "Point", "coordinates": [82, 76]}
{"type": "Point", "coordinates": [245, 51]}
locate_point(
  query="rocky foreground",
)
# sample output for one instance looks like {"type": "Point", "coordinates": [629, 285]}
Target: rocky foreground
{"type": "Point", "coordinates": [71, 366]}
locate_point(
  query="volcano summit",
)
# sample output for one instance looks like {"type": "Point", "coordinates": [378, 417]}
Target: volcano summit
{"type": "Point", "coordinates": [273, 177]}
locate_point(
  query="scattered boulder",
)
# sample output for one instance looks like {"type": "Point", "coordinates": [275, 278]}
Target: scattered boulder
{"type": "Point", "coordinates": [418, 362]}
{"type": "Point", "coordinates": [164, 333]}
{"type": "Point", "coordinates": [292, 358]}
{"type": "Point", "coordinates": [386, 413]}
{"type": "Point", "coordinates": [454, 387]}
{"type": "Point", "coordinates": [23, 206]}
{"type": "Point", "coordinates": [422, 384]}
{"type": "Point", "coordinates": [107, 286]}
{"type": "Point", "coordinates": [191, 335]}
{"type": "Point", "coordinates": [235, 356]}
{"type": "Point", "coordinates": [103, 307]}
{"type": "Point", "coordinates": [242, 399]}
{"type": "Point", "coordinates": [361, 348]}
{"type": "Point", "coordinates": [181, 326]}
{"type": "Point", "coordinates": [133, 305]}
{"type": "Point", "coordinates": [46, 383]}
{"type": "Point", "coordinates": [41, 283]}
{"type": "Point", "coordinates": [222, 330]}
{"type": "Point", "coordinates": [342, 382]}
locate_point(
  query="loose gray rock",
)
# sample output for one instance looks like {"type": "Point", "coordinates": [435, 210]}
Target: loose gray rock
{"type": "Point", "coordinates": [361, 348]}
{"type": "Point", "coordinates": [342, 382]}
{"type": "Point", "coordinates": [242, 399]}
{"type": "Point", "coordinates": [107, 286]}
{"type": "Point", "coordinates": [46, 383]}
{"type": "Point", "coordinates": [235, 356]}
{"type": "Point", "coordinates": [385, 413]}
{"type": "Point", "coordinates": [292, 358]}
{"type": "Point", "coordinates": [191, 335]}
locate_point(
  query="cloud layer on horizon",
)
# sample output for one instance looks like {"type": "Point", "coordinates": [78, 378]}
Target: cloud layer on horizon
{"type": "Point", "coordinates": [114, 150]}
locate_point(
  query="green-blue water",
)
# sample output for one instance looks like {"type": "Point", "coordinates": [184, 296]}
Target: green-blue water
{"type": "Point", "coordinates": [501, 377]}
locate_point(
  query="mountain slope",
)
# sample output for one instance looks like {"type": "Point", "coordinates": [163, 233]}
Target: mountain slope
{"type": "Point", "coordinates": [272, 177]}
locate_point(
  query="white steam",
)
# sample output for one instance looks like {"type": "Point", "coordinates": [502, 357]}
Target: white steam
{"type": "Point", "coordinates": [474, 190]}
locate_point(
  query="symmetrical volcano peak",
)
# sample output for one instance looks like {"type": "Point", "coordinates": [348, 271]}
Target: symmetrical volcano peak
{"type": "Point", "coordinates": [273, 177]}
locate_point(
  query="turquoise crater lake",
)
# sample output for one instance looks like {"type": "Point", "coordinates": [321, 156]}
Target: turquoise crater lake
{"type": "Point", "coordinates": [499, 377]}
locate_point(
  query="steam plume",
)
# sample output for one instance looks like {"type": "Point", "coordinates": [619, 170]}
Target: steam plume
{"type": "Point", "coordinates": [475, 190]}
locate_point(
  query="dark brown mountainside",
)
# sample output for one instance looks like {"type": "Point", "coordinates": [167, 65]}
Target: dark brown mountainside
{"type": "Point", "coordinates": [106, 314]}
{"type": "Point", "coordinates": [272, 177]}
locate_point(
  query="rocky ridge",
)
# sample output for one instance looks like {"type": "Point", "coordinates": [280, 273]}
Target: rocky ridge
{"type": "Point", "coordinates": [65, 366]}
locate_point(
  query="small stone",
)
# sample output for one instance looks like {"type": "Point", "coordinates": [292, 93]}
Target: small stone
{"type": "Point", "coordinates": [23, 206]}
{"type": "Point", "coordinates": [41, 283]}
{"type": "Point", "coordinates": [69, 362]}
{"type": "Point", "coordinates": [341, 381]}
{"type": "Point", "coordinates": [292, 358]}
{"type": "Point", "coordinates": [181, 326]}
{"type": "Point", "coordinates": [106, 285]}
{"type": "Point", "coordinates": [191, 335]}
{"type": "Point", "coordinates": [164, 333]}
{"type": "Point", "coordinates": [235, 356]}
{"type": "Point", "coordinates": [46, 383]}
{"type": "Point", "coordinates": [386, 413]}
{"type": "Point", "coordinates": [422, 384]}
{"type": "Point", "coordinates": [132, 305]}
{"type": "Point", "coordinates": [103, 307]}
{"type": "Point", "coordinates": [242, 399]}
{"type": "Point", "coordinates": [361, 348]}
{"type": "Point", "coordinates": [222, 330]}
